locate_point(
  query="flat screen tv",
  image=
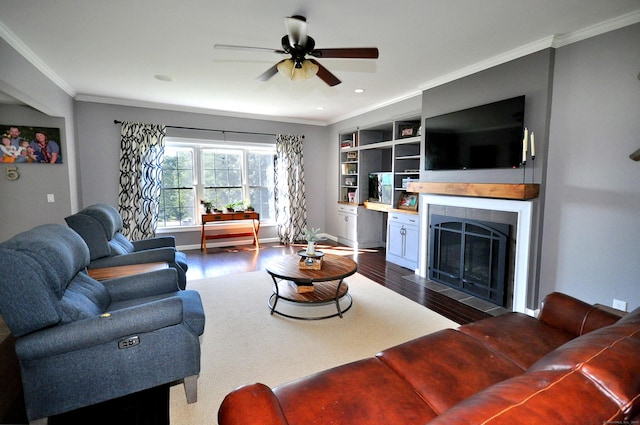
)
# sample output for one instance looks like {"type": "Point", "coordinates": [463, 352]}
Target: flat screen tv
{"type": "Point", "coordinates": [483, 137]}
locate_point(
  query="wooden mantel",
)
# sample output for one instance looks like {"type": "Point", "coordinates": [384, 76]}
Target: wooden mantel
{"type": "Point", "coordinates": [482, 190]}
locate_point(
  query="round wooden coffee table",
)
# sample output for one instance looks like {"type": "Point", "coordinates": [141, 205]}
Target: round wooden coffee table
{"type": "Point", "coordinates": [310, 287]}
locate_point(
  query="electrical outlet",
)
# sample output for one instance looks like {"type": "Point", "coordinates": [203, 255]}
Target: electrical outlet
{"type": "Point", "coordinates": [620, 305]}
{"type": "Point", "coordinates": [50, 197]}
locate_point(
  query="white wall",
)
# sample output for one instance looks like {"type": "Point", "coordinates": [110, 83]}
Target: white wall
{"type": "Point", "coordinates": [591, 233]}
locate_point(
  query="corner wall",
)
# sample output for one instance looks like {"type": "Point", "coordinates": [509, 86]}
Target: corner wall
{"type": "Point", "coordinates": [591, 237]}
{"type": "Point", "coordinates": [24, 201]}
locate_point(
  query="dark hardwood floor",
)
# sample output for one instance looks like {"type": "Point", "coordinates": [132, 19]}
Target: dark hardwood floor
{"type": "Point", "coordinates": [371, 263]}
{"type": "Point", "coordinates": [245, 258]}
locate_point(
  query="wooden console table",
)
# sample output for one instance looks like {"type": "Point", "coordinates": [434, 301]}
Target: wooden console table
{"type": "Point", "coordinates": [252, 217]}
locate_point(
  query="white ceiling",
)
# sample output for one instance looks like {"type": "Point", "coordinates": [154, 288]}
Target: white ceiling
{"type": "Point", "coordinates": [109, 51]}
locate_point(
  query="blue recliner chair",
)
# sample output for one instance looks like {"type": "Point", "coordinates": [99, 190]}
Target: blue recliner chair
{"type": "Point", "coordinates": [80, 341]}
{"type": "Point", "coordinates": [100, 226]}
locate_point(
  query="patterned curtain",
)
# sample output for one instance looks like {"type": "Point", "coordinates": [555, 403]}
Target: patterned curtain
{"type": "Point", "coordinates": [141, 155]}
{"type": "Point", "coordinates": [290, 198]}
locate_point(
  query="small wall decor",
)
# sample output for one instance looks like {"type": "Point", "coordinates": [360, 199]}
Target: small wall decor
{"type": "Point", "coordinates": [408, 130]}
{"type": "Point", "coordinates": [408, 201]}
{"type": "Point", "coordinates": [30, 144]}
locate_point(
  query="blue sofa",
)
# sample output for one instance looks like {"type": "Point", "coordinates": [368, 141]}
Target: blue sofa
{"type": "Point", "coordinates": [100, 225]}
{"type": "Point", "coordinates": [80, 341]}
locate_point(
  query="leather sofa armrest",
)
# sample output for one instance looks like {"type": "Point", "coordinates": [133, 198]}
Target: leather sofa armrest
{"type": "Point", "coordinates": [157, 242]}
{"type": "Point", "coordinates": [572, 315]}
{"type": "Point", "coordinates": [253, 404]}
{"type": "Point", "coordinates": [142, 285]}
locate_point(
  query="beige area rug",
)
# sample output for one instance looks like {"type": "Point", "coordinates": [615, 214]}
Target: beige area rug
{"type": "Point", "coordinates": [243, 343]}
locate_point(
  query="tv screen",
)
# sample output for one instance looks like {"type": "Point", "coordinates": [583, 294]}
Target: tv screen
{"type": "Point", "coordinates": [487, 136]}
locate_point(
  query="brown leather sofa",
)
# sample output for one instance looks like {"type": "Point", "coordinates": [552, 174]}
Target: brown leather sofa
{"type": "Point", "coordinates": [574, 364]}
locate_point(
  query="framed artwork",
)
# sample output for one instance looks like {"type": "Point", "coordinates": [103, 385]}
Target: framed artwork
{"type": "Point", "coordinates": [408, 201]}
{"type": "Point", "coordinates": [408, 130]}
{"type": "Point", "coordinates": [30, 144]}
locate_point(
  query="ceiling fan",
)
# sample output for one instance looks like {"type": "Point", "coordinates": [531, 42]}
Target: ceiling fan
{"type": "Point", "coordinates": [299, 44]}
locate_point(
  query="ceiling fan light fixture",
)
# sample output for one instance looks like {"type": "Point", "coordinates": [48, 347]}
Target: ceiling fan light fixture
{"type": "Point", "coordinates": [288, 68]}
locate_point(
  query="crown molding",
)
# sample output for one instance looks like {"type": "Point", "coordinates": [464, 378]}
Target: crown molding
{"type": "Point", "coordinates": [597, 29]}
{"type": "Point", "coordinates": [193, 109]}
{"type": "Point", "coordinates": [29, 55]}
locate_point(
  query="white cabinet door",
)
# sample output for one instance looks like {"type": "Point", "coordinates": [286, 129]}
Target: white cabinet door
{"type": "Point", "coordinates": [403, 239]}
{"type": "Point", "coordinates": [395, 239]}
{"type": "Point", "coordinates": [412, 244]}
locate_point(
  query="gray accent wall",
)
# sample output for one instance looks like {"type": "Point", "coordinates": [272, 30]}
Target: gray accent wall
{"type": "Point", "coordinates": [24, 201]}
{"type": "Point", "coordinates": [591, 234]}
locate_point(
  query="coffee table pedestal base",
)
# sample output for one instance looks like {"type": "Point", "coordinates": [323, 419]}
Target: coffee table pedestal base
{"type": "Point", "coordinates": [324, 293]}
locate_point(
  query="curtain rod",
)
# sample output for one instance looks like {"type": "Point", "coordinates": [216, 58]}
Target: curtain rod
{"type": "Point", "coordinates": [211, 129]}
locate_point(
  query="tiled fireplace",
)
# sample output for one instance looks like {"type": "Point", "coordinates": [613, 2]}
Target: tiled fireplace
{"type": "Point", "coordinates": [515, 213]}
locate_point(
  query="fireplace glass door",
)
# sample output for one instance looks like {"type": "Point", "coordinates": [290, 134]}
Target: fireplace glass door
{"type": "Point", "coordinates": [469, 255]}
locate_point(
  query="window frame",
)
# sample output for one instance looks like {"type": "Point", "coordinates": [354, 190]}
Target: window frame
{"type": "Point", "coordinates": [198, 145]}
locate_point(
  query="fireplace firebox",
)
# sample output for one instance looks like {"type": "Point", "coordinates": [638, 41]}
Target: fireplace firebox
{"type": "Point", "coordinates": [470, 255]}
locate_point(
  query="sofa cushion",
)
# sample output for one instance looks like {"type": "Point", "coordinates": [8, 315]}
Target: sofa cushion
{"type": "Point", "coordinates": [37, 265]}
{"type": "Point", "coordinates": [448, 366]}
{"type": "Point", "coordinates": [21, 279]}
{"type": "Point", "coordinates": [517, 336]}
{"type": "Point", "coordinates": [84, 298]}
{"type": "Point", "coordinates": [365, 392]}
{"type": "Point", "coordinates": [544, 397]}
{"type": "Point", "coordinates": [120, 245]}
{"type": "Point", "coordinates": [608, 358]}
{"type": "Point", "coordinates": [58, 252]}
{"type": "Point", "coordinates": [572, 315]}
{"type": "Point", "coordinates": [107, 216]}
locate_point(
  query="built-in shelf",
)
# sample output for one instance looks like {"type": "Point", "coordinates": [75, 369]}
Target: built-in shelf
{"type": "Point", "coordinates": [481, 190]}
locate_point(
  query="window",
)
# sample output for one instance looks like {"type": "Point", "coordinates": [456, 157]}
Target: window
{"type": "Point", "coordinates": [225, 175]}
{"type": "Point", "coordinates": [177, 197]}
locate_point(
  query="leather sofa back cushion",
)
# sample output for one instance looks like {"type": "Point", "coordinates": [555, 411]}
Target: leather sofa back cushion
{"type": "Point", "coordinates": [609, 358]}
{"type": "Point", "coordinates": [544, 397]}
{"type": "Point", "coordinates": [575, 316]}
{"type": "Point", "coordinates": [517, 336]}
{"type": "Point", "coordinates": [446, 367]}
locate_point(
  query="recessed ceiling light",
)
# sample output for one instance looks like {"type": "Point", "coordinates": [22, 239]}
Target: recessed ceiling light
{"type": "Point", "coordinates": [359, 91]}
{"type": "Point", "coordinates": [320, 108]}
{"type": "Point", "coordinates": [162, 77]}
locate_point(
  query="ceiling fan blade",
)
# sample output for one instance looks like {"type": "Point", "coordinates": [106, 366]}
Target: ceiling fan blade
{"type": "Point", "coordinates": [297, 28]}
{"type": "Point", "coordinates": [325, 75]}
{"type": "Point", "coordinates": [258, 49]}
{"type": "Point", "coordinates": [269, 73]}
{"type": "Point", "coordinates": [347, 52]}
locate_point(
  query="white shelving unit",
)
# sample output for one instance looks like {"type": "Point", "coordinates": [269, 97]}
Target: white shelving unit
{"type": "Point", "coordinates": [393, 146]}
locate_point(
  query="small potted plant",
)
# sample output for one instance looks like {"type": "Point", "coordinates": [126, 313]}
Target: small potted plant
{"type": "Point", "coordinates": [207, 205]}
{"type": "Point", "coordinates": [231, 206]}
{"type": "Point", "coordinates": [311, 237]}
{"type": "Point", "coordinates": [248, 206]}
